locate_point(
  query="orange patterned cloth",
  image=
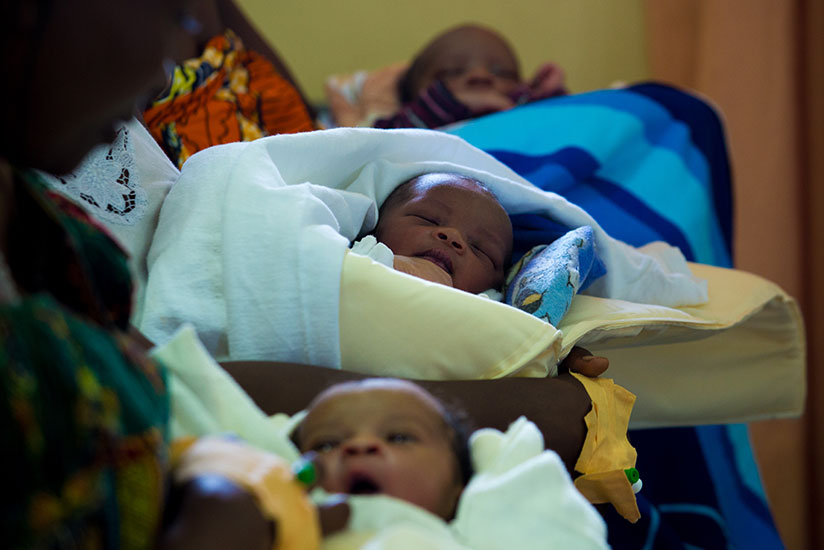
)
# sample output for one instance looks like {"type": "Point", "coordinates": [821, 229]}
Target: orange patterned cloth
{"type": "Point", "coordinates": [227, 94]}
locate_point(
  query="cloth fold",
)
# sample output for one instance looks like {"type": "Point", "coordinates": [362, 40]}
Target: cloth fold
{"type": "Point", "coordinates": [607, 454]}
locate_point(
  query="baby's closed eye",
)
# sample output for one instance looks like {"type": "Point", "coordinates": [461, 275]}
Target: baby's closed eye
{"type": "Point", "coordinates": [486, 253]}
{"type": "Point", "coordinates": [324, 445]}
{"type": "Point", "coordinates": [450, 72]}
{"type": "Point", "coordinates": [401, 437]}
{"type": "Point", "coordinates": [427, 219]}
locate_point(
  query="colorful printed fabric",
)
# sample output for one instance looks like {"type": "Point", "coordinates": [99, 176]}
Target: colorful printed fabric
{"type": "Point", "coordinates": [83, 412]}
{"type": "Point", "coordinates": [228, 94]}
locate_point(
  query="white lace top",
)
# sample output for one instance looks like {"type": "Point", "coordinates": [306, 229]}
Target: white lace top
{"type": "Point", "coordinates": [123, 185]}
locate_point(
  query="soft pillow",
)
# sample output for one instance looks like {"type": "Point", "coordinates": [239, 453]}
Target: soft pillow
{"type": "Point", "coordinates": [544, 281]}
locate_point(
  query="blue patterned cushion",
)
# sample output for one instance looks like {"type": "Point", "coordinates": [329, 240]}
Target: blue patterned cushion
{"type": "Point", "coordinates": [544, 281]}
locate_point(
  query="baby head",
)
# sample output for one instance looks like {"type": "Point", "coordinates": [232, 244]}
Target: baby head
{"type": "Point", "coordinates": [454, 222]}
{"type": "Point", "coordinates": [464, 58]}
{"type": "Point", "coordinates": [387, 436]}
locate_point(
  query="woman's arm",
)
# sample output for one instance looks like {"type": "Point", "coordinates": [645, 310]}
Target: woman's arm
{"type": "Point", "coordinates": [556, 405]}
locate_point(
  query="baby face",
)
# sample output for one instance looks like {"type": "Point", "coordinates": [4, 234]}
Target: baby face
{"type": "Point", "coordinates": [384, 437]}
{"type": "Point", "coordinates": [470, 59]}
{"type": "Point", "coordinates": [454, 223]}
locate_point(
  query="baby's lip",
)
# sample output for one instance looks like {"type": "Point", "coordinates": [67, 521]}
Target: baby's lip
{"type": "Point", "coordinates": [439, 258]}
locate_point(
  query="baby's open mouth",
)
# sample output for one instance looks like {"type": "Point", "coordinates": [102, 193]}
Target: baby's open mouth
{"type": "Point", "coordinates": [362, 485]}
{"type": "Point", "coordinates": [439, 258]}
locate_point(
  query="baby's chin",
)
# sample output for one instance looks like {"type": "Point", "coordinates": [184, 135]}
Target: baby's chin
{"type": "Point", "coordinates": [438, 262]}
{"type": "Point", "coordinates": [477, 288]}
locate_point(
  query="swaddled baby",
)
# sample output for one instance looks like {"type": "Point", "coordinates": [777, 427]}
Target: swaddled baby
{"type": "Point", "coordinates": [450, 229]}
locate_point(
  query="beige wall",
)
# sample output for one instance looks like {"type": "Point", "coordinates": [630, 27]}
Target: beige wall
{"type": "Point", "coordinates": [597, 42]}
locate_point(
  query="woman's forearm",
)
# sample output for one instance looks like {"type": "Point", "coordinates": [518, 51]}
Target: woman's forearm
{"type": "Point", "coordinates": [556, 405]}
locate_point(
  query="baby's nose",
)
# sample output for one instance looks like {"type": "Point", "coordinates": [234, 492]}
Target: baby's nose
{"type": "Point", "coordinates": [451, 236]}
{"type": "Point", "coordinates": [478, 75]}
{"type": "Point", "coordinates": [361, 446]}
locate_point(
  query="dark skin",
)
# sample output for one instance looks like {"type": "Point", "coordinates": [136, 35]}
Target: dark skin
{"type": "Point", "coordinates": [556, 405]}
{"type": "Point", "coordinates": [192, 509]}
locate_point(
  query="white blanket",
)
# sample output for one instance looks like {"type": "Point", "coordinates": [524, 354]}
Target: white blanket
{"type": "Point", "coordinates": [251, 238]}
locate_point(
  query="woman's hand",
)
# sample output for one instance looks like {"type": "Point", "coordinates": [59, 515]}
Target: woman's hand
{"type": "Point", "coordinates": [483, 101]}
{"type": "Point", "coordinates": [211, 512]}
{"type": "Point", "coordinates": [547, 82]}
{"type": "Point", "coordinates": [583, 362]}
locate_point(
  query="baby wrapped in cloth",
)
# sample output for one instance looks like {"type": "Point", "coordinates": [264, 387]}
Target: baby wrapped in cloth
{"type": "Point", "coordinates": [257, 257]}
{"type": "Point", "coordinates": [252, 238]}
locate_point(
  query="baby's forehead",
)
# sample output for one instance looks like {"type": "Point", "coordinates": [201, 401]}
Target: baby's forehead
{"type": "Point", "coordinates": [375, 407]}
{"type": "Point", "coordinates": [437, 182]}
{"type": "Point", "coordinates": [467, 38]}
{"type": "Point", "coordinates": [412, 395]}
{"type": "Point", "coordinates": [373, 404]}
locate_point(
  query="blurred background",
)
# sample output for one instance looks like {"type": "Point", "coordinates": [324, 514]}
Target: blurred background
{"type": "Point", "coordinates": [760, 62]}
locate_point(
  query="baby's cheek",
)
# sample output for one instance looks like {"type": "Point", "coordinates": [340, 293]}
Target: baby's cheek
{"type": "Point", "coordinates": [329, 476]}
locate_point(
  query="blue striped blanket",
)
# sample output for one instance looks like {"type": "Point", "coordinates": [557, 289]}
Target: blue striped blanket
{"type": "Point", "coordinates": [648, 162]}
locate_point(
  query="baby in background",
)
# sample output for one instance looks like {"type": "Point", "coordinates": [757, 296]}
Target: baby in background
{"type": "Point", "coordinates": [391, 437]}
{"type": "Point", "coordinates": [467, 71]}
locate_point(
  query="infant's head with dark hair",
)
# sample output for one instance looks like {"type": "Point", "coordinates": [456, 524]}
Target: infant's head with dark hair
{"type": "Point", "coordinates": [387, 436]}
{"type": "Point", "coordinates": [467, 58]}
{"type": "Point", "coordinates": [453, 221]}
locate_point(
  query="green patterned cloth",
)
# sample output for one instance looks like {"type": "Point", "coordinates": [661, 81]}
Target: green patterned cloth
{"type": "Point", "coordinates": [83, 413]}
